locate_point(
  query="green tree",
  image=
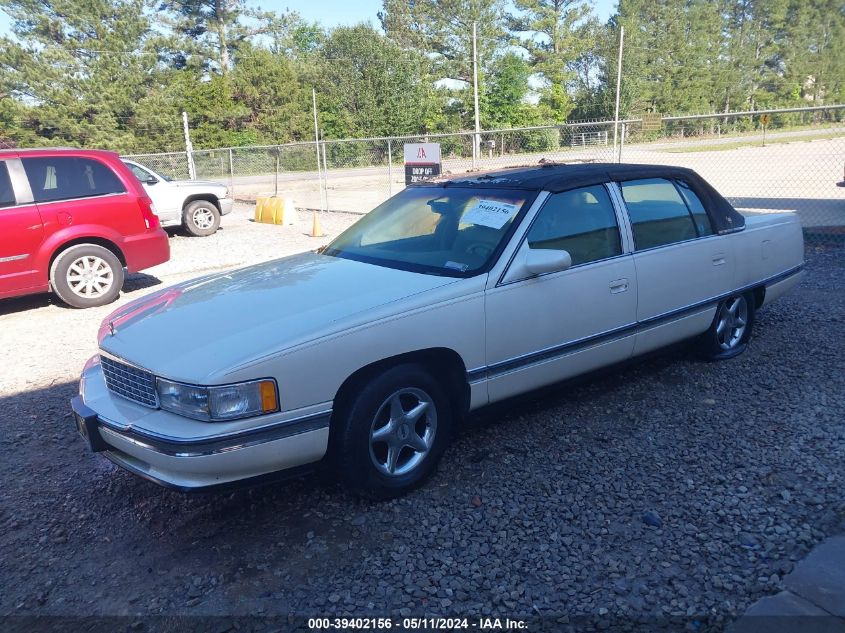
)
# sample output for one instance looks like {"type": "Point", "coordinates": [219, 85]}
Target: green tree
{"type": "Point", "coordinates": [556, 34]}
{"type": "Point", "coordinates": [269, 90]}
{"type": "Point", "coordinates": [367, 85]}
{"type": "Point", "coordinates": [442, 29]}
{"type": "Point", "coordinates": [503, 102]}
{"type": "Point", "coordinates": [217, 28]}
{"type": "Point", "coordinates": [79, 69]}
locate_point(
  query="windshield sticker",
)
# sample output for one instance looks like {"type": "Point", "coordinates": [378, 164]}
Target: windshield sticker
{"type": "Point", "coordinates": [490, 213]}
{"type": "Point", "coordinates": [456, 266]}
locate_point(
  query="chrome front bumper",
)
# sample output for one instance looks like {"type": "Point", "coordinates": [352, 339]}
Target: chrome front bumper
{"type": "Point", "coordinates": [124, 432]}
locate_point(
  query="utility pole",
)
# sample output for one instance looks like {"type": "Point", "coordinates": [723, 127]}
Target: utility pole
{"type": "Point", "coordinates": [189, 149]}
{"type": "Point", "coordinates": [476, 138]}
{"type": "Point", "coordinates": [317, 146]}
{"type": "Point", "coordinates": [618, 85]}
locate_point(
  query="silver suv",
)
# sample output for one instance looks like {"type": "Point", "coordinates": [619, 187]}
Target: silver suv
{"type": "Point", "coordinates": [194, 204]}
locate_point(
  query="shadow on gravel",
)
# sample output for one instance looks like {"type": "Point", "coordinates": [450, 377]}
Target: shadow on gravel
{"type": "Point", "coordinates": [133, 283]}
{"type": "Point", "coordinates": [140, 281]}
{"type": "Point", "coordinates": [28, 302]}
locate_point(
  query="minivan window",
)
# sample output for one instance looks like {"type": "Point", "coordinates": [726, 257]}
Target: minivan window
{"type": "Point", "coordinates": [7, 194]}
{"type": "Point", "coordinates": [658, 214]}
{"type": "Point", "coordinates": [581, 222]}
{"type": "Point", "coordinates": [68, 177]}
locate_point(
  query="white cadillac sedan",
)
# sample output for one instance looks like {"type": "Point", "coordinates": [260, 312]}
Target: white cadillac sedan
{"type": "Point", "coordinates": [449, 296]}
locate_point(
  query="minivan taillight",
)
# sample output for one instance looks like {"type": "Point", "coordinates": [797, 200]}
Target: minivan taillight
{"type": "Point", "coordinates": [148, 211]}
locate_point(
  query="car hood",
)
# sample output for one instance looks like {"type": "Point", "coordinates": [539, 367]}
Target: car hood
{"type": "Point", "coordinates": [197, 330]}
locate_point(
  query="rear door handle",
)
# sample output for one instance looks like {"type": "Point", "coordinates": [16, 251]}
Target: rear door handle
{"type": "Point", "coordinates": [619, 285]}
{"type": "Point", "coordinates": [718, 259]}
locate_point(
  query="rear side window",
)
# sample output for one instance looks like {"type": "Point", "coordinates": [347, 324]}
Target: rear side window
{"type": "Point", "coordinates": [68, 177]}
{"type": "Point", "coordinates": [659, 215]}
{"type": "Point", "coordinates": [699, 214]}
{"type": "Point", "coordinates": [580, 221]}
{"type": "Point", "coordinates": [7, 194]}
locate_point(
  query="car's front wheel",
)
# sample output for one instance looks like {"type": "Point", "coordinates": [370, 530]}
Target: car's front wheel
{"type": "Point", "coordinates": [86, 276]}
{"type": "Point", "coordinates": [201, 218]}
{"type": "Point", "coordinates": [730, 331]}
{"type": "Point", "coordinates": [393, 432]}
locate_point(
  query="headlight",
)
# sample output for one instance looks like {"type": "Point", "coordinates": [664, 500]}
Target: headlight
{"type": "Point", "coordinates": [228, 402]}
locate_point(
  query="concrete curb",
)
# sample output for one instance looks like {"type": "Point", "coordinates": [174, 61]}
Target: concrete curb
{"type": "Point", "coordinates": [813, 600]}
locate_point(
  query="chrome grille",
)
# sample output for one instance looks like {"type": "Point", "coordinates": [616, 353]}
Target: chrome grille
{"type": "Point", "coordinates": [130, 382]}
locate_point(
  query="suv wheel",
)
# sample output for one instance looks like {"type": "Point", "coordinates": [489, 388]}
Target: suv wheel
{"type": "Point", "coordinates": [86, 275]}
{"type": "Point", "coordinates": [201, 218]}
{"type": "Point", "coordinates": [391, 437]}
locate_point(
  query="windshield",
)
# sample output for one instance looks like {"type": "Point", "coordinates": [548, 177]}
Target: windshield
{"type": "Point", "coordinates": [437, 230]}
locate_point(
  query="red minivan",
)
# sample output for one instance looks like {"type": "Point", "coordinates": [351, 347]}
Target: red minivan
{"type": "Point", "coordinates": [71, 221]}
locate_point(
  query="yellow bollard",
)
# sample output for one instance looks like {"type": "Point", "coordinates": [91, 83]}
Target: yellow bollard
{"type": "Point", "coordinates": [275, 210]}
{"type": "Point", "coordinates": [259, 207]}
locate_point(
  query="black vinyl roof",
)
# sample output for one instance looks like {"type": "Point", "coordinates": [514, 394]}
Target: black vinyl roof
{"type": "Point", "coordinates": [557, 177]}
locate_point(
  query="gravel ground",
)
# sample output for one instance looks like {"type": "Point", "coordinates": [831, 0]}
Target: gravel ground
{"type": "Point", "coordinates": [670, 488]}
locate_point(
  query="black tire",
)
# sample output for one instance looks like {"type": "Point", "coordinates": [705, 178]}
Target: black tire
{"type": "Point", "coordinates": [730, 331]}
{"type": "Point", "coordinates": [69, 276]}
{"type": "Point", "coordinates": [355, 455]}
{"type": "Point", "coordinates": [201, 218]}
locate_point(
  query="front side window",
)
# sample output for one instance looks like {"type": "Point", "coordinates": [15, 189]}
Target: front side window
{"type": "Point", "coordinates": [659, 215]}
{"type": "Point", "coordinates": [68, 177]}
{"type": "Point", "coordinates": [452, 231]}
{"type": "Point", "coordinates": [580, 221]}
{"type": "Point", "coordinates": [7, 194]}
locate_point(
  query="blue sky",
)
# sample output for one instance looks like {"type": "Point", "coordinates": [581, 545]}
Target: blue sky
{"type": "Point", "coordinates": [334, 12]}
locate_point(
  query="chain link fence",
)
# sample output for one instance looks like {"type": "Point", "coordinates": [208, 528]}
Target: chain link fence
{"type": "Point", "coordinates": [765, 161]}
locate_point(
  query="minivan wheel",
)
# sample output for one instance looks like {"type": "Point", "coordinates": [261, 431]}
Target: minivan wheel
{"type": "Point", "coordinates": [393, 434]}
{"type": "Point", "coordinates": [730, 331]}
{"type": "Point", "coordinates": [201, 218]}
{"type": "Point", "coordinates": [86, 276]}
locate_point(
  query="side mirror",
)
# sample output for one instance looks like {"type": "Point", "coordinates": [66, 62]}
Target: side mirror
{"type": "Point", "coordinates": [544, 260]}
{"type": "Point", "coordinates": [152, 180]}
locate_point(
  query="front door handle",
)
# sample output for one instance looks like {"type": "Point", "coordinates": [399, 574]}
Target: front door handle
{"type": "Point", "coordinates": [619, 285]}
{"type": "Point", "coordinates": [718, 259]}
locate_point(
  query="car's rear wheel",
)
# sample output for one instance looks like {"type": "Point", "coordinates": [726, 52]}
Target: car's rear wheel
{"type": "Point", "coordinates": [730, 331]}
{"type": "Point", "coordinates": [86, 276]}
{"type": "Point", "coordinates": [201, 218]}
{"type": "Point", "coordinates": [393, 432]}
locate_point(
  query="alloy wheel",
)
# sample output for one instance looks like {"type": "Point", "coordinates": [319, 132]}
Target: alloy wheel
{"type": "Point", "coordinates": [203, 218]}
{"type": "Point", "coordinates": [402, 432]}
{"type": "Point", "coordinates": [733, 320]}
